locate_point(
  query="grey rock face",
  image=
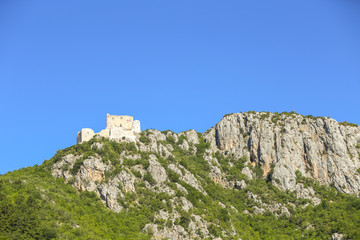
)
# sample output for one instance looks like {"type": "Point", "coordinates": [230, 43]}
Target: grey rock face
{"type": "Point", "coordinates": [240, 185]}
{"type": "Point", "coordinates": [197, 225]}
{"type": "Point", "coordinates": [192, 136]}
{"type": "Point", "coordinates": [278, 209]}
{"type": "Point", "coordinates": [186, 204]}
{"type": "Point", "coordinates": [109, 193]}
{"type": "Point", "coordinates": [164, 151]}
{"type": "Point", "coordinates": [185, 145]}
{"type": "Point", "coordinates": [187, 177]}
{"type": "Point", "coordinates": [337, 236]}
{"type": "Point", "coordinates": [156, 170]}
{"type": "Point", "coordinates": [157, 147]}
{"type": "Point", "coordinates": [192, 139]}
{"type": "Point", "coordinates": [181, 188]}
{"type": "Point", "coordinates": [97, 145]}
{"type": "Point", "coordinates": [126, 180]}
{"type": "Point", "coordinates": [307, 193]}
{"type": "Point", "coordinates": [176, 232]}
{"type": "Point", "coordinates": [247, 172]}
{"type": "Point", "coordinates": [60, 168]}
{"type": "Point", "coordinates": [320, 148]}
{"type": "Point", "coordinates": [216, 174]}
{"type": "Point", "coordinates": [90, 174]}
{"type": "Point", "coordinates": [156, 135]}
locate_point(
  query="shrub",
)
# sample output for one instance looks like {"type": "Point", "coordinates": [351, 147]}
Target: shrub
{"type": "Point", "coordinates": [173, 176]}
{"type": "Point", "coordinates": [136, 173]}
{"type": "Point", "coordinates": [77, 166]}
{"type": "Point", "coordinates": [215, 231]}
{"type": "Point", "coordinates": [144, 139]}
{"type": "Point", "coordinates": [148, 177]}
{"type": "Point", "coordinates": [275, 119]}
{"type": "Point", "coordinates": [184, 219]}
{"type": "Point", "coordinates": [264, 115]}
{"type": "Point", "coordinates": [181, 139]}
{"type": "Point", "coordinates": [224, 216]}
{"type": "Point", "coordinates": [259, 172]}
{"type": "Point", "coordinates": [171, 140]}
{"type": "Point", "coordinates": [228, 114]}
{"type": "Point", "coordinates": [348, 124]}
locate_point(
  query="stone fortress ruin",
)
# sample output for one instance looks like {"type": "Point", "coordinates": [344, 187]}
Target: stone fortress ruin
{"type": "Point", "coordinates": [117, 128]}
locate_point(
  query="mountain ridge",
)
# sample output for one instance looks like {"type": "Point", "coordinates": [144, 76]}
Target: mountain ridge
{"type": "Point", "coordinates": [319, 145]}
{"type": "Point", "coordinates": [223, 184]}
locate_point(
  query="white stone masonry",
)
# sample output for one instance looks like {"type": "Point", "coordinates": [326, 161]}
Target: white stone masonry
{"type": "Point", "coordinates": [117, 128]}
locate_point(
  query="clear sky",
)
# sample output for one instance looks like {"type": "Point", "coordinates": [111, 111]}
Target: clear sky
{"type": "Point", "coordinates": [174, 65]}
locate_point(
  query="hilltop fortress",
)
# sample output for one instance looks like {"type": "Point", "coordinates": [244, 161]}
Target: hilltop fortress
{"type": "Point", "coordinates": [117, 127]}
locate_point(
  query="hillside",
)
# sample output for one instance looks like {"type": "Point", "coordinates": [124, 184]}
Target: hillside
{"type": "Point", "coordinates": [252, 176]}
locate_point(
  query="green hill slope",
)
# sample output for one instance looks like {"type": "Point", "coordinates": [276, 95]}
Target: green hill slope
{"type": "Point", "coordinates": [186, 200]}
{"type": "Point", "coordinates": [34, 205]}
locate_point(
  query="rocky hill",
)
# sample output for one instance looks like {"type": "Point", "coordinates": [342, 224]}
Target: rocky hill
{"type": "Point", "coordinates": [320, 148]}
{"type": "Point", "coordinates": [254, 175]}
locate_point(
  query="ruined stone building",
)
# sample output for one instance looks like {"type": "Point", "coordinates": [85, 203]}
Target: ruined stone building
{"type": "Point", "coordinates": [117, 127]}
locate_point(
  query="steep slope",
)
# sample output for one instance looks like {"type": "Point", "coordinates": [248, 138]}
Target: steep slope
{"type": "Point", "coordinates": [320, 148]}
{"type": "Point", "coordinates": [249, 177]}
{"type": "Point", "coordinates": [34, 205]}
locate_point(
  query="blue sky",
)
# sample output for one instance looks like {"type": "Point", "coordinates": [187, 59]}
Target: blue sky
{"type": "Point", "coordinates": [174, 65]}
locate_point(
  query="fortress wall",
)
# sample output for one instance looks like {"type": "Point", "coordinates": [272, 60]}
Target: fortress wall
{"type": "Point", "coordinates": [104, 133]}
{"type": "Point", "coordinates": [85, 134]}
{"type": "Point", "coordinates": [126, 122]}
{"type": "Point", "coordinates": [119, 133]}
{"type": "Point", "coordinates": [136, 126]}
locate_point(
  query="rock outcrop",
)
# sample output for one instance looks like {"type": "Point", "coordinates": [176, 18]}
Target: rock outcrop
{"type": "Point", "coordinates": [319, 148]}
{"type": "Point", "coordinates": [181, 171]}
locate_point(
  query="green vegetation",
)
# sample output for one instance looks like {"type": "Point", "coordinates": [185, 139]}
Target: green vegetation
{"type": "Point", "coordinates": [34, 205]}
{"type": "Point", "coordinates": [144, 138]}
{"type": "Point", "coordinates": [149, 178]}
{"type": "Point", "coordinates": [277, 118]}
{"type": "Point", "coordinates": [264, 115]}
{"type": "Point", "coordinates": [348, 124]}
{"type": "Point", "coordinates": [228, 114]}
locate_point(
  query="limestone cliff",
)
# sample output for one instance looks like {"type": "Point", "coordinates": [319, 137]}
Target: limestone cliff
{"type": "Point", "coordinates": [190, 180]}
{"type": "Point", "coordinates": [320, 148]}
